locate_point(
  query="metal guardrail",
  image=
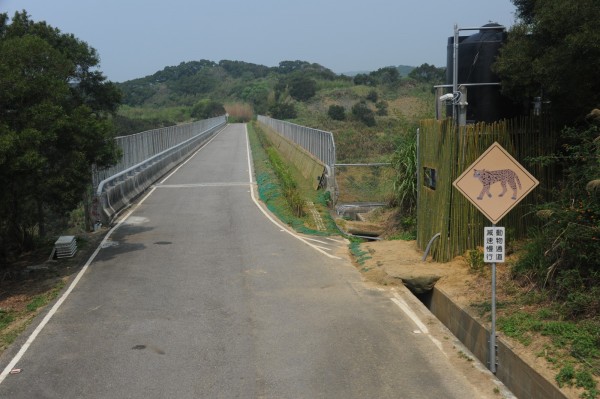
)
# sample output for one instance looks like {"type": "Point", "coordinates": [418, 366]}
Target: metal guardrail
{"type": "Point", "coordinates": [114, 192]}
{"type": "Point", "coordinates": [139, 147]}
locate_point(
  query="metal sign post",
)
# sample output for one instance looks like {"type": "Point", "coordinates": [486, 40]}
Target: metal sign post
{"type": "Point", "coordinates": [494, 251]}
{"type": "Point", "coordinates": [493, 327]}
{"type": "Point", "coordinates": [478, 184]}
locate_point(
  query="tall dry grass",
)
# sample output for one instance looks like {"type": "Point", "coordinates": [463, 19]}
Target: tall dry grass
{"type": "Point", "coordinates": [239, 112]}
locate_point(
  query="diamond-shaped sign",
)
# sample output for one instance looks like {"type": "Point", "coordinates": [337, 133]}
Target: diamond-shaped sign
{"type": "Point", "coordinates": [495, 183]}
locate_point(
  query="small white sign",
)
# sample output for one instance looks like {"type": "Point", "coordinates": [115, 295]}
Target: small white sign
{"type": "Point", "coordinates": [494, 244]}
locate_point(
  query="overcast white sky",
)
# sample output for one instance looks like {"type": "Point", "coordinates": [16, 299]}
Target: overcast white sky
{"type": "Point", "coordinates": [136, 38]}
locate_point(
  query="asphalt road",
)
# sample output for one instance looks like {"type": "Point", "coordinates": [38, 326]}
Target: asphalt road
{"type": "Point", "coordinates": [198, 294]}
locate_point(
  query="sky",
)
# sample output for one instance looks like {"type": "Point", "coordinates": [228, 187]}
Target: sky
{"type": "Point", "coordinates": [136, 38]}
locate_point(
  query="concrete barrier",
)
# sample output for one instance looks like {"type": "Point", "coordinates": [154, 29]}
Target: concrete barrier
{"type": "Point", "coordinates": [311, 168]}
{"type": "Point", "coordinates": [516, 374]}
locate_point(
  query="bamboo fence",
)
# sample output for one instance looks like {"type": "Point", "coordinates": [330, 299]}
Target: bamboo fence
{"type": "Point", "coordinates": [449, 150]}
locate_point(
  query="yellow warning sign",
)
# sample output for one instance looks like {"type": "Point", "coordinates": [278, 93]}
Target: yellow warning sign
{"type": "Point", "coordinates": [495, 183]}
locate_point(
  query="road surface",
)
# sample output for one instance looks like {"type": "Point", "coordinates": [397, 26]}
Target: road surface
{"type": "Point", "coordinates": [198, 294]}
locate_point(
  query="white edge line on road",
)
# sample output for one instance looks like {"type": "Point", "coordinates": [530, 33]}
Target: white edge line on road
{"type": "Point", "coordinates": [408, 311]}
{"type": "Point", "coordinates": [334, 240]}
{"type": "Point", "coordinates": [324, 248]}
{"type": "Point", "coordinates": [315, 240]}
{"type": "Point", "coordinates": [64, 296]}
{"type": "Point", "coordinates": [253, 195]}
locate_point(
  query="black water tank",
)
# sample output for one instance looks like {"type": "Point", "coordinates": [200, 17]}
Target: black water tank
{"type": "Point", "coordinates": [476, 55]}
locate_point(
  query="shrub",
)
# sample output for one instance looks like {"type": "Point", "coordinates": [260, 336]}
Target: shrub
{"type": "Point", "coordinates": [363, 113]}
{"type": "Point", "coordinates": [382, 108]}
{"type": "Point", "coordinates": [337, 112]}
{"type": "Point", "coordinates": [564, 255]}
{"type": "Point", "coordinates": [239, 112]}
{"type": "Point", "coordinates": [283, 111]}
{"type": "Point", "coordinates": [372, 96]}
{"type": "Point", "coordinates": [404, 163]}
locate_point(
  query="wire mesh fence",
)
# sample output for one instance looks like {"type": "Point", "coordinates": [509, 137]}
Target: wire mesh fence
{"type": "Point", "coordinates": [364, 183]}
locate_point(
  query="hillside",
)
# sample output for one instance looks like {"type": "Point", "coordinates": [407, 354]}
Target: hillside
{"type": "Point", "coordinates": [374, 109]}
{"type": "Point", "coordinates": [189, 82]}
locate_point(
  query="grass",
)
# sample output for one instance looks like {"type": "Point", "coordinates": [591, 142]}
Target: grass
{"type": "Point", "coordinates": [573, 347]}
{"type": "Point", "coordinates": [359, 255]}
{"type": "Point", "coordinates": [177, 114]}
{"type": "Point", "coordinates": [14, 322]}
{"type": "Point", "coordinates": [45, 298]}
{"type": "Point", "coordinates": [271, 189]}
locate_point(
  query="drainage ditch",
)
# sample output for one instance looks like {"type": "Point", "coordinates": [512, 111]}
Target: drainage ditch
{"type": "Point", "coordinates": [518, 376]}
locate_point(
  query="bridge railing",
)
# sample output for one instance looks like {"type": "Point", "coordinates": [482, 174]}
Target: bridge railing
{"type": "Point", "coordinates": [146, 156]}
{"type": "Point", "coordinates": [141, 146]}
{"type": "Point", "coordinates": [318, 142]}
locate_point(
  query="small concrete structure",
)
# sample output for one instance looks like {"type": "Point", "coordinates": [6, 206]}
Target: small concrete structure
{"type": "Point", "coordinates": [65, 246]}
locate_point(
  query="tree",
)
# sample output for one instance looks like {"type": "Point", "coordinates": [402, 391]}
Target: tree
{"type": "Point", "coordinates": [205, 109]}
{"type": "Point", "coordinates": [363, 79]}
{"type": "Point", "coordinates": [428, 74]}
{"type": "Point", "coordinates": [552, 53]}
{"type": "Point", "coordinates": [257, 94]}
{"type": "Point", "coordinates": [283, 111]}
{"type": "Point", "coordinates": [55, 123]}
{"type": "Point", "coordinates": [302, 88]}
{"type": "Point", "coordinates": [386, 76]}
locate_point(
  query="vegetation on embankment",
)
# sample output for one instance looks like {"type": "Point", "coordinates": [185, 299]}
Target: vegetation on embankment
{"type": "Point", "coordinates": [284, 195]}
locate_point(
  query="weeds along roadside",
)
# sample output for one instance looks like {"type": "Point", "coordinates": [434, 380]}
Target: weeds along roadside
{"type": "Point", "coordinates": [14, 321]}
{"type": "Point", "coordinates": [571, 347]}
{"type": "Point", "coordinates": [283, 189]}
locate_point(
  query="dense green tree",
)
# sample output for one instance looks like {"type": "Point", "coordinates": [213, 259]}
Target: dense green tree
{"type": "Point", "coordinates": [553, 52]}
{"type": "Point", "coordinates": [245, 70]}
{"type": "Point", "coordinates": [55, 123]}
{"type": "Point", "coordinates": [364, 79]}
{"type": "Point", "coordinates": [257, 94]}
{"type": "Point", "coordinates": [284, 110]}
{"type": "Point", "coordinates": [306, 69]}
{"type": "Point", "coordinates": [287, 67]}
{"type": "Point", "coordinates": [428, 74]}
{"type": "Point", "coordinates": [382, 76]}
{"type": "Point", "coordinates": [386, 76]}
{"type": "Point", "coordinates": [302, 88]}
{"type": "Point", "coordinates": [206, 108]}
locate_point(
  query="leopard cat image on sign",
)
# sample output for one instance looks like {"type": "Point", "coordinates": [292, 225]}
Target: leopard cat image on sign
{"type": "Point", "coordinates": [489, 177]}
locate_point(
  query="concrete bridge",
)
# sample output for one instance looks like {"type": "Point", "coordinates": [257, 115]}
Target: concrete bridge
{"type": "Point", "coordinates": [198, 292]}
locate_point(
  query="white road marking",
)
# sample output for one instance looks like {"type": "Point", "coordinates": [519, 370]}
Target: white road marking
{"type": "Point", "coordinates": [422, 327]}
{"type": "Point", "coordinates": [315, 240]}
{"type": "Point", "coordinates": [408, 311]}
{"type": "Point", "coordinates": [253, 195]}
{"type": "Point", "coordinates": [324, 248]}
{"type": "Point", "coordinates": [202, 185]}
